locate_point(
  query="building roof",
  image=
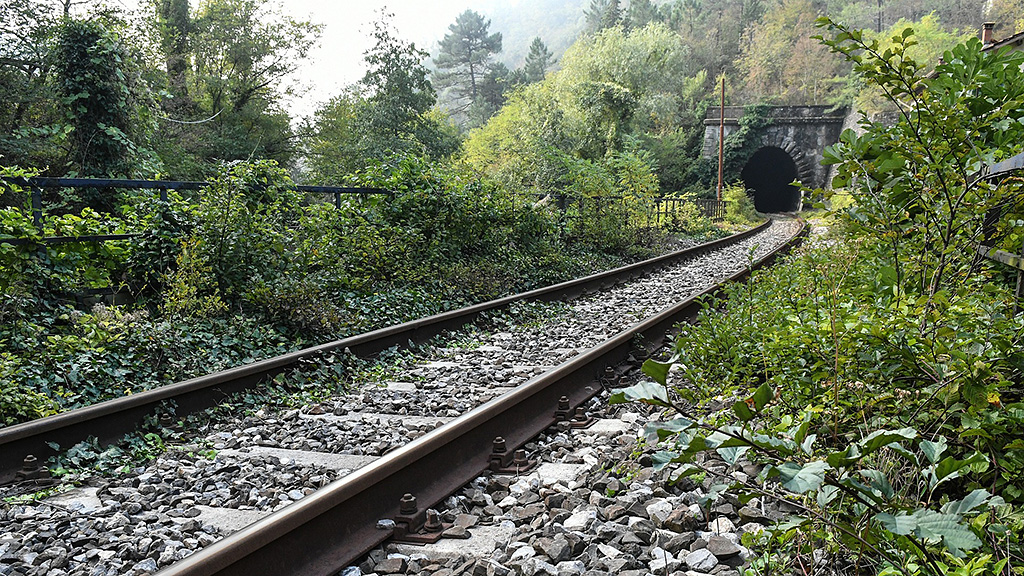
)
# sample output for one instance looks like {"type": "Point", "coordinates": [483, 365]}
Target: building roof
{"type": "Point", "coordinates": [1016, 41]}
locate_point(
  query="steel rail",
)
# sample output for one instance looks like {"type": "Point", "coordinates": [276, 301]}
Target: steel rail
{"type": "Point", "coordinates": [333, 527]}
{"type": "Point", "coordinates": [110, 420]}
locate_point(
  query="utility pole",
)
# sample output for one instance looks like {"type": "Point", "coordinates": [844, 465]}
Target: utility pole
{"type": "Point", "coordinates": [721, 142]}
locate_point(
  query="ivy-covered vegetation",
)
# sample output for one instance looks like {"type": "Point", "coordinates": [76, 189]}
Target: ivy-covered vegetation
{"type": "Point", "coordinates": [876, 378]}
{"type": "Point", "coordinates": [249, 268]}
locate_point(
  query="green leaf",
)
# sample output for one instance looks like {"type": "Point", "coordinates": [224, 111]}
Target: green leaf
{"type": "Point", "coordinates": [684, 471]}
{"type": "Point", "coordinates": [933, 450]}
{"type": "Point", "coordinates": [732, 453]}
{"type": "Point", "coordinates": [900, 524]}
{"type": "Point", "coordinates": [646, 392]}
{"type": "Point", "coordinates": [950, 467]}
{"type": "Point", "coordinates": [935, 526]}
{"type": "Point", "coordinates": [971, 502]}
{"type": "Point", "coordinates": [792, 523]}
{"type": "Point", "coordinates": [808, 444]}
{"type": "Point", "coordinates": [666, 428]}
{"type": "Point", "coordinates": [714, 493]}
{"type": "Point", "coordinates": [743, 411]}
{"type": "Point", "coordinates": [802, 478]}
{"type": "Point", "coordinates": [762, 396]}
{"type": "Point", "coordinates": [880, 438]}
{"type": "Point", "coordinates": [800, 432]}
{"type": "Point", "coordinates": [899, 449]}
{"type": "Point", "coordinates": [826, 495]}
{"type": "Point", "coordinates": [845, 457]}
{"type": "Point", "coordinates": [879, 482]}
{"type": "Point", "coordinates": [663, 458]}
{"type": "Point", "coordinates": [719, 439]}
{"type": "Point", "coordinates": [658, 371]}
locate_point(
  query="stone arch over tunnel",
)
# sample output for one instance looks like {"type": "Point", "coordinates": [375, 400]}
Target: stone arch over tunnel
{"type": "Point", "coordinates": [769, 173]}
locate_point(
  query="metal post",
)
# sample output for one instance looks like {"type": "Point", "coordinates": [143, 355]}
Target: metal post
{"type": "Point", "coordinates": [1020, 283]}
{"type": "Point", "coordinates": [721, 141]}
{"type": "Point", "coordinates": [337, 200]}
{"type": "Point", "coordinates": [163, 194]}
{"type": "Point", "coordinates": [37, 208]}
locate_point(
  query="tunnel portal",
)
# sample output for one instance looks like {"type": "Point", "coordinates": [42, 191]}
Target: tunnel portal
{"type": "Point", "coordinates": [770, 173]}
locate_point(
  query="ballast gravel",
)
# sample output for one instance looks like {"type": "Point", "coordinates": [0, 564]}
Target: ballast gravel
{"type": "Point", "coordinates": [150, 518]}
{"type": "Point", "coordinates": [614, 515]}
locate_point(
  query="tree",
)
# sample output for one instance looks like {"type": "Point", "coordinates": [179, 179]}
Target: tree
{"type": "Point", "coordinates": [612, 87]}
{"type": "Point", "coordinates": [781, 62]}
{"type": "Point", "coordinates": [914, 180]}
{"type": "Point", "coordinates": [465, 54]}
{"type": "Point", "coordinates": [495, 83]}
{"type": "Point", "coordinates": [332, 146]}
{"type": "Point", "coordinates": [174, 23]}
{"type": "Point", "coordinates": [242, 53]}
{"type": "Point", "coordinates": [1008, 16]}
{"type": "Point", "coordinates": [641, 13]}
{"type": "Point", "coordinates": [603, 14]}
{"type": "Point", "coordinates": [394, 116]}
{"type": "Point", "coordinates": [106, 101]}
{"type": "Point", "coordinates": [390, 112]}
{"type": "Point", "coordinates": [537, 61]}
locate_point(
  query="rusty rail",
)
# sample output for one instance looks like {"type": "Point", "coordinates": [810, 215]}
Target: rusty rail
{"type": "Point", "coordinates": [328, 530]}
{"type": "Point", "coordinates": [110, 420]}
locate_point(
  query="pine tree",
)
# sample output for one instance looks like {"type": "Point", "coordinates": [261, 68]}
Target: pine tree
{"type": "Point", "coordinates": [537, 61]}
{"type": "Point", "coordinates": [603, 14]}
{"type": "Point", "coordinates": [465, 54]}
{"type": "Point", "coordinates": [641, 13]}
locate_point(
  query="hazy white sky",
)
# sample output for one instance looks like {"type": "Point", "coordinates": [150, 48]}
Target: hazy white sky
{"type": "Point", "coordinates": [338, 60]}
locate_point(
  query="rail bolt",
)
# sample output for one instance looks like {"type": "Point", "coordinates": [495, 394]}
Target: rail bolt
{"type": "Point", "coordinates": [563, 403]}
{"type": "Point", "coordinates": [499, 445]}
{"type": "Point", "coordinates": [581, 414]}
{"type": "Point", "coordinates": [407, 505]}
{"type": "Point", "coordinates": [519, 459]}
{"type": "Point", "coordinates": [30, 470]}
{"type": "Point", "coordinates": [433, 523]}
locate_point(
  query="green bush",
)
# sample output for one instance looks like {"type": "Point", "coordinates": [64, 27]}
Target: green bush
{"type": "Point", "coordinates": [739, 206]}
{"type": "Point", "coordinates": [243, 221]}
{"type": "Point", "coordinates": [18, 401]}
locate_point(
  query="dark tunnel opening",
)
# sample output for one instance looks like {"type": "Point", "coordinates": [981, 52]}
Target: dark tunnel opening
{"type": "Point", "coordinates": [769, 173]}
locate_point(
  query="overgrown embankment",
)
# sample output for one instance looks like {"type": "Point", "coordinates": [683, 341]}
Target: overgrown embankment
{"type": "Point", "coordinates": [248, 268]}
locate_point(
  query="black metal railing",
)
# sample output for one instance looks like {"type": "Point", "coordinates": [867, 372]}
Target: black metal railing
{"type": "Point", "coordinates": [1012, 165]}
{"type": "Point", "coordinates": [710, 208]}
{"type": "Point", "coordinates": [661, 208]}
{"type": "Point", "coordinates": [36, 185]}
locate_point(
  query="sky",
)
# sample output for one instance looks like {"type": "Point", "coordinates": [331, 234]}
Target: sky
{"type": "Point", "coordinates": [338, 60]}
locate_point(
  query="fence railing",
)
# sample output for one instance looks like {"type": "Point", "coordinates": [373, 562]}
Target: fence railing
{"type": "Point", "coordinates": [36, 186]}
{"type": "Point", "coordinates": [663, 207]}
{"type": "Point", "coordinates": [1016, 261]}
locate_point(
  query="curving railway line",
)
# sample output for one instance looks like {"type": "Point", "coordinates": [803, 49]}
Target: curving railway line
{"type": "Point", "coordinates": [309, 491]}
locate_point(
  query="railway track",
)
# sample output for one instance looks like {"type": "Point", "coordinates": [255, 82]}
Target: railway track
{"type": "Point", "coordinates": [275, 484]}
